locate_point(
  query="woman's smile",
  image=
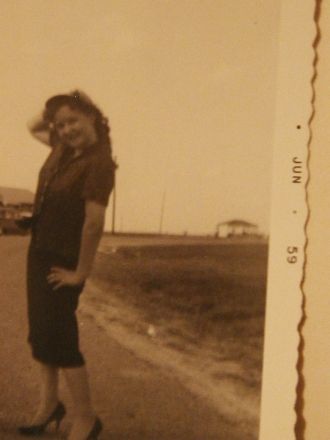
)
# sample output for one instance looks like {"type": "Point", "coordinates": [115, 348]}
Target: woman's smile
{"type": "Point", "coordinates": [72, 138]}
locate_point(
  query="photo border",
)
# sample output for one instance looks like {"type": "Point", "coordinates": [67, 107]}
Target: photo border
{"type": "Point", "coordinates": [289, 212]}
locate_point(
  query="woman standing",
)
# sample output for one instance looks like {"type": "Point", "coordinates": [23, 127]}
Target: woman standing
{"type": "Point", "coordinates": [73, 191]}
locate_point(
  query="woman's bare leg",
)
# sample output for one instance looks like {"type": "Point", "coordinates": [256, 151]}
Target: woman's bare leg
{"type": "Point", "coordinates": [77, 381]}
{"type": "Point", "coordinates": [49, 393]}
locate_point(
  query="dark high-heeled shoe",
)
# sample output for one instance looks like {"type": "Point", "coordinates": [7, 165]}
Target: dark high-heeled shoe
{"type": "Point", "coordinates": [56, 416]}
{"type": "Point", "coordinates": [95, 431]}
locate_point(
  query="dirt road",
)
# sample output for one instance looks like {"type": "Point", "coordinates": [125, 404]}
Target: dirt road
{"type": "Point", "coordinates": [135, 399]}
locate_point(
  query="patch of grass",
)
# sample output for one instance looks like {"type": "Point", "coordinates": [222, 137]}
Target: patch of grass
{"type": "Point", "coordinates": [218, 291]}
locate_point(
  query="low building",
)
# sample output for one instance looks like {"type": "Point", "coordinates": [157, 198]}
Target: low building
{"type": "Point", "coordinates": [15, 203]}
{"type": "Point", "coordinates": [236, 228]}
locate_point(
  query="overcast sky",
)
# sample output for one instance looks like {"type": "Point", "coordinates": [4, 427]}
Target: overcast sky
{"type": "Point", "coordinates": [188, 86]}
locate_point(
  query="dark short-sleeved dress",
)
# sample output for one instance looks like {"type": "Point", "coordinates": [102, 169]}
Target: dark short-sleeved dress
{"type": "Point", "coordinates": [65, 183]}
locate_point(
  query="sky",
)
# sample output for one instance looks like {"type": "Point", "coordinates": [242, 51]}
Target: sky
{"type": "Point", "coordinates": [188, 87]}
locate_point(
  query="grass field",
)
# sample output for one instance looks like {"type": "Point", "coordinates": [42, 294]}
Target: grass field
{"type": "Point", "coordinates": [208, 295]}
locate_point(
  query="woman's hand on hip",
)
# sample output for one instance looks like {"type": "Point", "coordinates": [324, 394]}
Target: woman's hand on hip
{"type": "Point", "coordinates": [60, 277]}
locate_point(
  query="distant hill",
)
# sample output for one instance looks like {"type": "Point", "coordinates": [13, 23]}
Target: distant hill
{"type": "Point", "coordinates": [15, 196]}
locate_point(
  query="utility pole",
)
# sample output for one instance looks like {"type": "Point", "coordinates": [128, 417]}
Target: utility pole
{"type": "Point", "coordinates": [113, 231]}
{"type": "Point", "coordinates": [162, 209]}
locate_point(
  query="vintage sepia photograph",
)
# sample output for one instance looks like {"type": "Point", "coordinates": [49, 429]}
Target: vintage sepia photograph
{"type": "Point", "coordinates": [135, 192]}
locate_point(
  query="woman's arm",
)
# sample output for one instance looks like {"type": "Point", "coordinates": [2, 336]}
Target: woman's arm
{"type": "Point", "coordinates": [91, 235]}
{"type": "Point", "coordinates": [39, 129]}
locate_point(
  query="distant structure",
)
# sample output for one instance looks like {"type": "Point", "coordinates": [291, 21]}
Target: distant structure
{"type": "Point", "coordinates": [16, 197]}
{"type": "Point", "coordinates": [15, 203]}
{"type": "Point", "coordinates": [236, 228]}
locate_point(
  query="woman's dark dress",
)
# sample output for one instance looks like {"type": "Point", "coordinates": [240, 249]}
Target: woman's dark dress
{"type": "Point", "coordinates": [65, 183]}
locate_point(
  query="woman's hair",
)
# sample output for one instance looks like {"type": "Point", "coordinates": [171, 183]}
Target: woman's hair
{"type": "Point", "coordinates": [79, 101]}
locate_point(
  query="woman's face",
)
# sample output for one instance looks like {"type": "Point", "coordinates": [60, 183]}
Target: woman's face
{"type": "Point", "coordinates": [74, 128]}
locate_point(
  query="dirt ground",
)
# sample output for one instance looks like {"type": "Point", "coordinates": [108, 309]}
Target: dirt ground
{"type": "Point", "coordinates": [138, 394]}
{"type": "Point", "coordinates": [210, 295]}
{"type": "Point", "coordinates": [193, 304]}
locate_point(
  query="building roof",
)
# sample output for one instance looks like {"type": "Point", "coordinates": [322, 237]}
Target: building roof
{"type": "Point", "coordinates": [15, 196]}
{"type": "Point", "coordinates": [237, 223]}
